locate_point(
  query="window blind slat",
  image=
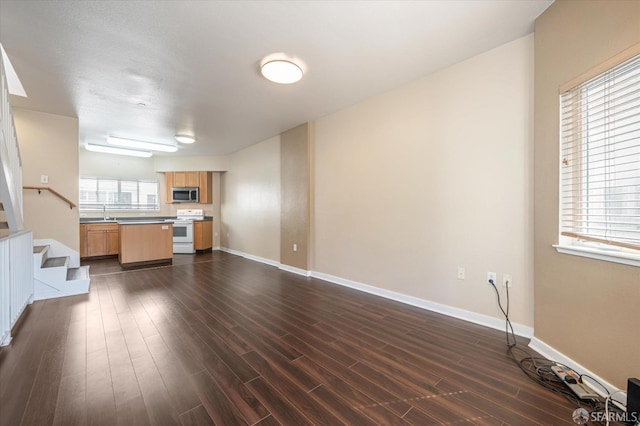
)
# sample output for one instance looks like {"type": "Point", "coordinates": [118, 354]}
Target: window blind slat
{"type": "Point", "coordinates": [600, 155]}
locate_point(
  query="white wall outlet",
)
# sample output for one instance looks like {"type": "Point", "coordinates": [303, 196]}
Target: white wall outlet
{"type": "Point", "coordinates": [44, 178]}
{"type": "Point", "coordinates": [507, 280]}
{"type": "Point", "coordinates": [460, 273]}
{"type": "Point", "coordinates": [492, 276]}
{"type": "Point", "coordinates": [295, 247]}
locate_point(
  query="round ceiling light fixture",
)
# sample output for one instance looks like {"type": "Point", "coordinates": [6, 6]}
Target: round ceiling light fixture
{"type": "Point", "coordinates": [185, 138]}
{"type": "Point", "coordinates": [281, 69]}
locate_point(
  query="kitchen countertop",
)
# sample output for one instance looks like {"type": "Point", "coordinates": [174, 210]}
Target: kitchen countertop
{"type": "Point", "coordinates": [142, 222]}
{"type": "Point", "coordinates": [129, 220]}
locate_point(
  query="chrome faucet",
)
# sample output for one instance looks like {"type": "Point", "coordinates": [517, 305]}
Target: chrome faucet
{"type": "Point", "coordinates": [104, 212]}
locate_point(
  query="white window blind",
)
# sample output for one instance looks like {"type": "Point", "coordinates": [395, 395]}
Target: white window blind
{"type": "Point", "coordinates": [600, 179]}
{"type": "Point", "coordinates": [118, 194]}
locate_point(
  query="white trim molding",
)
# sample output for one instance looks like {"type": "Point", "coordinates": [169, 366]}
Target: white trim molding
{"type": "Point", "coordinates": [616, 256]}
{"type": "Point", "coordinates": [295, 270]}
{"type": "Point", "coordinates": [264, 260]}
{"type": "Point", "coordinates": [488, 321]}
{"type": "Point", "coordinates": [554, 355]}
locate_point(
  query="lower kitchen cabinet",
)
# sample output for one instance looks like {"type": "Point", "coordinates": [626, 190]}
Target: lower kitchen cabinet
{"type": "Point", "coordinates": [203, 235]}
{"type": "Point", "coordinates": [99, 240]}
{"type": "Point", "coordinates": [83, 241]}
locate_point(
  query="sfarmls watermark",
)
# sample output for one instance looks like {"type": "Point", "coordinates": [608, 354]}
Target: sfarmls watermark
{"type": "Point", "coordinates": [582, 416]}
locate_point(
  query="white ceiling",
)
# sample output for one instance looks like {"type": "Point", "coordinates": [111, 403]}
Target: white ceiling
{"type": "Point", "coordinates": [195, 63]}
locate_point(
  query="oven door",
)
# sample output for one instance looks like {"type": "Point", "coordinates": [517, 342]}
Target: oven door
{"type": "Point", "coordinates": [182, 232]}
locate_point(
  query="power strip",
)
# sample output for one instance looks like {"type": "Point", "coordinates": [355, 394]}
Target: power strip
{"type": "Point", "coordinates": [572, 380]}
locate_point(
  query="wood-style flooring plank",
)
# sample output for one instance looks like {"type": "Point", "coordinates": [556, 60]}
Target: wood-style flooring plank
{"type": "Point", "coordinates": [218, 339]}
{"type": "Point", "coordinates": [197, 416]}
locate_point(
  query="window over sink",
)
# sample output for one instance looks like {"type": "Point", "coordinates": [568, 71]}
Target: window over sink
{"type": "Point", "coordinates": [118, 195]}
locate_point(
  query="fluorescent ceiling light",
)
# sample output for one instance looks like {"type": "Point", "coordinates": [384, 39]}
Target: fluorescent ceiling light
{"type": "Point", "coordinates": [281, 69]}
{"type": "Point", "coordinates": [185, 139]}
{"type": "Point", "coordinates": [130, 143]}
{"type": "Point", "coordinates": [118, 151]}
{"type": "Point", "coordinates": [13, 82]}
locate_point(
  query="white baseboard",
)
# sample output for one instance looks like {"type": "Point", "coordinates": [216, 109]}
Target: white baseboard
{"type": "Point", "coordinates": [251, 257]}
{"type": "Point", "coordinates": [481, 319]}
{"type": "Point", "coordinates": [451, 311]}
{"type": "Point", "coordinates": [554, 355]}
{"type": "Point", "coordinates": [295, 270]}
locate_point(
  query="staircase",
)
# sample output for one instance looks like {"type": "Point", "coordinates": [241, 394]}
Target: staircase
{"type": "Point", "coordinates": [4, 226]}
{"type": "Point", "coordinates": [56, 276]}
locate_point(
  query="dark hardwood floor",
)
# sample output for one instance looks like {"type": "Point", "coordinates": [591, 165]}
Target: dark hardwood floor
{"type": "Point", "coordinates": [218, 339]}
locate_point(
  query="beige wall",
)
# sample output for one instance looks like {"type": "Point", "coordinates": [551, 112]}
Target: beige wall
{"type": "Point", "coordinates": [212, 163]}
{"type": "Point", "coordinates": [98, 164]}
{"type": "Point", "coordinates": [295, 196]}
{"type": "Point", "coordinates": [431, 176]}
{"type": "Point", "coordinates": [585, 308]}
{"type": "Point", "coordinates": [250, 192]}
{"type": "Point", "coordinates": [49, 146]}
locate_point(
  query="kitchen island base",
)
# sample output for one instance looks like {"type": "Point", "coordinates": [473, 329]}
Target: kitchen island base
{"type": "Point", "coordinates": [145, 243]}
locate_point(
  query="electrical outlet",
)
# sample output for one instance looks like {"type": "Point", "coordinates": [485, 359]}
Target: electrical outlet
{"type": "Point", "coordinates": [491, 276]}
{"type": "Point", "coordinates": [460, 273]}
{"type": "Point", "coordinates": [507, 280]}
{"type": "Point", "coordinates": [295, 247]}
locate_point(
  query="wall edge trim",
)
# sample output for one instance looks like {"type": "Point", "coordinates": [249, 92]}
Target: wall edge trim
{"type": "Point", "coordinates": [264, 260]}
{"type": "Point", "coordinates": [294, 270]}
{"type": "Point", "coordinates": [553, 354]}
{"type": "Point", "coordinates": [481, 319]}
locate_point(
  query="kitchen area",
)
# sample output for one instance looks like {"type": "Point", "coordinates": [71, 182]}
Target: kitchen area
{"type": "Point", "coordinates": [156, 237]}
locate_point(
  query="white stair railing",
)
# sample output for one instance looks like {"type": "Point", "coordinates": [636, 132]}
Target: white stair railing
{"type": "Point", "coordinates": [16, 250]}
{"type": "Point", "coordinates": [10, 162]}
{"type": "Point", "coordinates": [16, 280]}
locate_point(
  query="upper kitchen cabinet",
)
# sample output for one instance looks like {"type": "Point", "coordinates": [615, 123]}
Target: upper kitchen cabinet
{"type": "Point", "coordinates": [201, 180]}
{"type": "Point", "coordinates": [186, 179]}
{"type": "Point", "coordinates": [206, 194]}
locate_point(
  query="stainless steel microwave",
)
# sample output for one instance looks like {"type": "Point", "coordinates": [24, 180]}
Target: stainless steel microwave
{"type": "Point", "coordinates": [184, 195]}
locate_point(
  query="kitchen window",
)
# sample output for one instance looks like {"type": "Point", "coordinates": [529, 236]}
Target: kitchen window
{"type": "Point", "coordinates": [120, 195]}
{"type": "Point", "coordinates": [600, 166]}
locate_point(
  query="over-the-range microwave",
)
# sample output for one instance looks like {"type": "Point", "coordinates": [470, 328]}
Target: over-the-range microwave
{"type": "Point", "coordinates": [184, 195]}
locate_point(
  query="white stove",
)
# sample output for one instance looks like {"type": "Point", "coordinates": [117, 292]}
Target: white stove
{"type": "Point", "coordinates": [183, 229]}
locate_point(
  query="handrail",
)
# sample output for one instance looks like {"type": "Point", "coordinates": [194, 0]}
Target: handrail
{"type": "Point", "coordinates": [54, 192]}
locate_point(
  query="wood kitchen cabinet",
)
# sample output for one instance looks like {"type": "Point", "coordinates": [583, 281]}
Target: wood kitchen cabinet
{"type": "Point", "coordinates": [205, 185]}
{"type": "Point", "coordinates": [83, 240]}
{"type": "Point", "coordinates": [186, 179]}
{"type": "Point", "coordinates": [201, 180]}
{"type": "Point", "coordinates": [203, 235]}
{"type": "Point", "coordinates": [168, 184]}
{"type": "Point", "coordinates": [145, 243]}
{"type": "Point", "coordinates": [99, 240]}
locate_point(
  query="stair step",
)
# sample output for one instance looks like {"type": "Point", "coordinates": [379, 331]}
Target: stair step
{"type": "Point", "coordinates": [53, 262]}
{"type": "Point", "coordinates": [81, 273]}
{"type": "Point", "coordinates": [39, 249]}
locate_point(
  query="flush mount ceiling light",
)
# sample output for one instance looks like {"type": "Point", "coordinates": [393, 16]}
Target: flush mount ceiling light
{"type": "Point", "coordinates": [185, 139]}
{"type": "Point", "coordinates": [151, 146]}
{"type": "Point", "coordinates": [282, 69]}
{"type": "Point", "coordinates": [117, 151]}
